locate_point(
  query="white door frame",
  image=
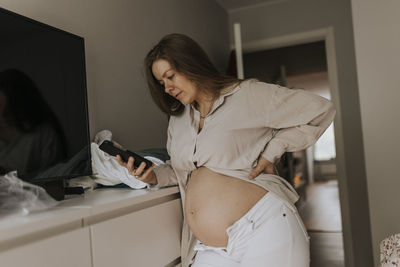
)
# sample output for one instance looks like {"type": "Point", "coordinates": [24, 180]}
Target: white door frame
{"type": "Point", "coordinates": [323, 34]}
{"type": "Point", "coordinates": [327, 35]}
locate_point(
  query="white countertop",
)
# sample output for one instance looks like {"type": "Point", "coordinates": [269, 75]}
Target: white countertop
{"type": "Point", "coordinates": [80, 211]}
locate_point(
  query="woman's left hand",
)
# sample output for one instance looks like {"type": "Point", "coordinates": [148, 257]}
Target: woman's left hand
{"type": "Point", "coordinates": [263, 165]}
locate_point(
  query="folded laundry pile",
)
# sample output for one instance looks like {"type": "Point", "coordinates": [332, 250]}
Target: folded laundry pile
{"type": "Point", "coordinates": [106, 169]}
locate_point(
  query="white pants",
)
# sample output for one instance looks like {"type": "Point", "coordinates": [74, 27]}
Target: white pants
{"type": "Point", "coordinates": [269, 235]}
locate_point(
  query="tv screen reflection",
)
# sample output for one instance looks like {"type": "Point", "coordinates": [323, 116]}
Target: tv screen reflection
{"type": "Point", "coordinates": [31, 137]}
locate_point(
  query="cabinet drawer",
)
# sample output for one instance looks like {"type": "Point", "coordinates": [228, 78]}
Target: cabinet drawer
{"type": "Point", "coordinates": [148, 237]}
{"type": "Point", "coordinates": [64, 250]}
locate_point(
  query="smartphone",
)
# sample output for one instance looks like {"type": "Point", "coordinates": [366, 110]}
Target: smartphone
{"type": "Point", "coordinates": [109, 148]}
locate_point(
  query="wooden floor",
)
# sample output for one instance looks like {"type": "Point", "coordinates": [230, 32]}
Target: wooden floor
{"type": "Point", "coordinates": [321, 210]}
{"type": "Point", "coordinates": [321, 215]}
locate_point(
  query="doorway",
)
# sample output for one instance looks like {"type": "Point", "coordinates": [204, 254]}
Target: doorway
{"type": "Point", "coordinates": [312, 172]}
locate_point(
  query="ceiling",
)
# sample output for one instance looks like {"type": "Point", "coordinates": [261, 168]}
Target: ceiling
{"type": "Point", "coordinates": [236, 4]}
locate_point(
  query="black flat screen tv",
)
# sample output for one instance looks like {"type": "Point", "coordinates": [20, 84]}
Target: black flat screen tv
{"type": "Point", "coordinates": [44, 127]}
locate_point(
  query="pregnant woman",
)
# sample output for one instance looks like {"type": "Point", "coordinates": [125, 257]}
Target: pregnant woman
{"type": "Point", "coordinates": [224, 136]}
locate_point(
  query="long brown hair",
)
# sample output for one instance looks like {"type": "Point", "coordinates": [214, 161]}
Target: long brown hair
{"type": "Point", "coordinates": [189, 59]}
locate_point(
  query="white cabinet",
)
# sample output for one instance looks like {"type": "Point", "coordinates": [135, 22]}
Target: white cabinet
{"type": "Point", "coordinates": [145, 238]}
{"type": "Point", "coordinates": [64, 250]}
{"type": "Point", "coordinates": [112, 227]}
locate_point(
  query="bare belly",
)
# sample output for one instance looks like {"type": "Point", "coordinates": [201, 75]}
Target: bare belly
{"type": "Point", "coordinates": [215, 201]}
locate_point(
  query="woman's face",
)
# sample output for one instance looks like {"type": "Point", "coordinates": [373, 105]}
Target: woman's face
{"type": "Point", "coordinates": [175, 83]}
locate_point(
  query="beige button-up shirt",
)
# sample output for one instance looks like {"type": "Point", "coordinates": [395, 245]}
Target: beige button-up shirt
{"type": "Point", "coordinates": [246, 121]}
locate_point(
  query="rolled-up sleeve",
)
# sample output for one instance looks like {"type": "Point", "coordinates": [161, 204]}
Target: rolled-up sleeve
{"type": "Point", "coordinates": [298, 117]}
{"type": "Point", "coordinates": [164, 172]}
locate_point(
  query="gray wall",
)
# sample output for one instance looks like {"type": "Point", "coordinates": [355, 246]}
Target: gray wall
{"type": "Point", "coordinates": [289, 17]}
{"type": "Point", "coordinates": [377, 42]}
{"type": "Point", "coordinates": [118, 34]}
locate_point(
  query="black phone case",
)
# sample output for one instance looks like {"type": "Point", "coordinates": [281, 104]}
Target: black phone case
{"type": "Point", "coordinates": [109, 148]}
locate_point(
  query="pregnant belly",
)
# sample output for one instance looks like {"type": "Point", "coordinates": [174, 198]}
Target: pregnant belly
{"type": "Point", "coordinates": [215, 201]}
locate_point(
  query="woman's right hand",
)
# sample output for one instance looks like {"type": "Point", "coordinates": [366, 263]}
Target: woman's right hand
{"type": "Point", "coordinates": [147, 176]}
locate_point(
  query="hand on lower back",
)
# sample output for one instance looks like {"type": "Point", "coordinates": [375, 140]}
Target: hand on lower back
{"type": "Point", "coordinates": [263, 166]}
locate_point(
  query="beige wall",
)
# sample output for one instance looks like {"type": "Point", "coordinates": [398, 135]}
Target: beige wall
{"type": "Point", "coordinates": [377, 42]}
{"type": "Point", "coordinates": [281, 18]}
{"type": "Point", "coordinates": [118, 34]}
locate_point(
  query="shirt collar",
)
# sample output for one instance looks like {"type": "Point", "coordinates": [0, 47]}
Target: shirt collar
{"type": "Point", "coordinates": [230, 90]}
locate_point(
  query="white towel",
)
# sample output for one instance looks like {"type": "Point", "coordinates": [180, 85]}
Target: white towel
{"type": "Point", "coordinates": [106, 169]}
